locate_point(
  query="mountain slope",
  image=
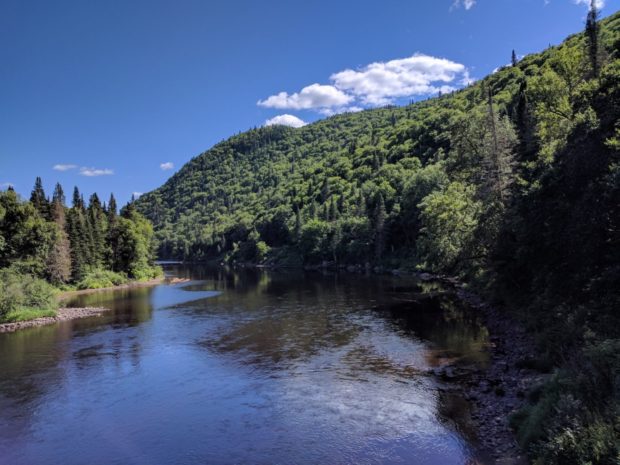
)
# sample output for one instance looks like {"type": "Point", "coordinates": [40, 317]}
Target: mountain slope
{"type": "Point", "coordinates": [513, 183]}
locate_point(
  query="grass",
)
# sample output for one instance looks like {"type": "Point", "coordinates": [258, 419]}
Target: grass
{"type": "Point", "coordinates": [25, 314]}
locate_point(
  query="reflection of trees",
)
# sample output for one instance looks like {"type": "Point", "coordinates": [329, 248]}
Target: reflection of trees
{"type": "Point", "coordinates": [279, 337]}
{"type": "Point", "coordinates": [290, 314]}
{"type": "Point", "coordinates": [33, 360]}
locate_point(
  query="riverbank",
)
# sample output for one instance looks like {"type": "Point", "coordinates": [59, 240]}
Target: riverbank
{"type": "Point", "coordinates": [153, 282]}
{"type": "Point", "coordinates": [62, 314]}
{"type": "Point", "coordinates": [501, 388]}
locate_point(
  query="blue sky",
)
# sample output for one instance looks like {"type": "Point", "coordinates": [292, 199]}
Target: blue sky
{"type": "Point", "coordinates": [115, 96]}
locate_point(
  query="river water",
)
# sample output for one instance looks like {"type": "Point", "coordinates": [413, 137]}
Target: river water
{"type": "Point", "coordinates": [243, 367]}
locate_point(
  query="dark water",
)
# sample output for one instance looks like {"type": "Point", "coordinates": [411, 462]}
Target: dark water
{"type": "Point", "coordinates": [246, 367]}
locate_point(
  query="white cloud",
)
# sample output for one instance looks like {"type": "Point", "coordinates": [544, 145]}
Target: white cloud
{"type": "Point", "coordinates": [381, 82]}
{"type": "Point", "coordinates": [136, 194]}
{"type": "Point", "coordinates": [337, 111]}
{"type": "Point", "coordinates": [376, 84]}
{"type": "Point", "coordinates": [467, 4]}
{"type": "Point", "coordinates": [6, 184]}
{"type": "Point", "coordinates": [286, 120]}
{"type": "Point", "coordinates": [167, 166]}
{"type": "Point", "coordinates": [314, 96]}
{"type": "Point", "coordinates": [599, 3]}
{"type": "Point", "coordinates": [64, 167]}
{"type": "Point", "coordinates": [90, 172]}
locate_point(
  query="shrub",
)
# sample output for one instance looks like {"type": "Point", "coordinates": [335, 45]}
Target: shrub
{"type": "Point", "coordinates": [23, 291]}
{"type": "Point", "coordinates": [98, 279]}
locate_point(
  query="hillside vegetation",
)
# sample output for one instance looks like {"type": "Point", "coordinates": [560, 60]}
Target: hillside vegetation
{"type": "Point", "coordinates": [513, 184]}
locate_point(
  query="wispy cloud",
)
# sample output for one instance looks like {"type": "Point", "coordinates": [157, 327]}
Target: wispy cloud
{"type": "Point", "coordinates": [286, 120]}
{"type": "Point", "coordinates": [598, 3]}
{"type": "Point", "coordinates": [467, 4]}
{"type": "Point", "coordinates": [167, 166]}
{"type": "Point", "coordinates": [5, 185]}
{"type": "Point", "coordinates": [91, 172]}
{"type": "Point", "coordinates": [136, 194]}
{"type": "Point", "coordinates": [64, 167]}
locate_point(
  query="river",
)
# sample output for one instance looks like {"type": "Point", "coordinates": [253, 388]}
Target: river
{"type": "Point", "coordinates": [244, 367]}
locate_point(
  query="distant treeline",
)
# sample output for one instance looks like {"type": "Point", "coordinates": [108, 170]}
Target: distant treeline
{"type": "Point", "coordinates": [44, 238]}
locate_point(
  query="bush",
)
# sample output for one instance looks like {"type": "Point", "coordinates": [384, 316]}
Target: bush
{"type": "Point", "coordinates": [98, 279]}
{"type": "Point", "coordinates": [19, 292]}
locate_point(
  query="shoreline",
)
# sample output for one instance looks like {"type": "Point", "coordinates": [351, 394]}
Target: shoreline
{"type": "Point", "coordinates": [66, 314]}
{"type": "Point", "coordinates": [500, 389]}
{"type": "Point", "coordinates": [152, 282]}
{"type": "Point", "coordinates": [62, 314]}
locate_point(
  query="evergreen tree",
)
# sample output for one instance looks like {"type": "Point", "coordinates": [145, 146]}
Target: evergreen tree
{"type": "Point", "coordinates": [592, 38]}
{"type": "Point", "coordinates": [380, 215]}
{"type": "Point", "coordinates": [298, 224]}
{"type": "Point", "coordinates": [333, 210]}
{"type": "Point", "coordinates": [97, 230]}
{"type": "Point", "coordinates": [514, 59]}
{"type": "Point", "coordinates": [59, 259]}
{"type": "Point", "coordinates": [59, 196]}
{"type": "Point", "coordinates": [77, 199]}
{"type": "Point", "coordinates": [38, 199]}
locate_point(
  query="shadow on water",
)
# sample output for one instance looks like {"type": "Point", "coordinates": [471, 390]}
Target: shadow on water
{"type": "Point", "coordinates": [246, 367]}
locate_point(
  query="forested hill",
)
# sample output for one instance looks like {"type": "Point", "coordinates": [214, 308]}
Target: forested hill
{"type": "Point", "coordinates": [512, 183]}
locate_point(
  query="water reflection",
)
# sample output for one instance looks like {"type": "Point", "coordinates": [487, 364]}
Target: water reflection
{"type": "Point", "coordinates": [243, 367]}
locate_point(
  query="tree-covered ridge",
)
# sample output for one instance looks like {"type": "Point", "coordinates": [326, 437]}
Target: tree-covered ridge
{"type": "Point", "coordinates": [85, 246]}
{"type": "Point", "coordinates": [512, 183]}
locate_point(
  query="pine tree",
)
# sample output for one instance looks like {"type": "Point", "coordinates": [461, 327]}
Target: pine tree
{"type": "Point", "coordinates": [298, 224]}
{"type": "Point", "coordinates": [380, 215]}
{"type": "Point", "coordinates": [333, 211]}
{"type": "Point", "coordinates": [592, 38]}
{"type": "Point", "coordinates": [514, 59]}
{"type": "Point", "coordinates": [76, 230]}
{"type": "Point", "coordinates": [58, 196]}
{"type": "Point", "coordinates": [498, 154]}
{"type": "Point", "coordinates": [97, 230]}
{"type": "Point", "coordinates": [59, 259]}
{"type": "Point", "coordinates": [38, 199]}
{"type": "Point", "coordinates": [77, 199]}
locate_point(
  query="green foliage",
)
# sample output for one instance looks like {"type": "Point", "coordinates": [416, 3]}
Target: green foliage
{"type": "Point", "coordinates": [88, 246]}
{"type": "Point", "coordinates": [450, 218]}
{"type": "Point", "coordinates": [19, 292]}
{"type": "Point", "coordinates": [98, 279]}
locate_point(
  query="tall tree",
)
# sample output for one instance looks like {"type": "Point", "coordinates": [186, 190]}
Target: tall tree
{"type": "Point", "coordinates": [514, 59]}
{"type": "Point", "coordinates": [59, 259]}
{"type": "Point", "coordinates": [592, 38]}
{"type": "Point", "coordinates": [380, 215]}
{"type": "Point", "coordinates": [38, 199]}
{"type": "Point", "coordinates": [58, 196]}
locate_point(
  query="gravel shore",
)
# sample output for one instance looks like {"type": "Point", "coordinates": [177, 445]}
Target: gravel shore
{"type": "Point", "coordinates": [501, 388]}
{"type": "Point", "coordinates": [63, 314]}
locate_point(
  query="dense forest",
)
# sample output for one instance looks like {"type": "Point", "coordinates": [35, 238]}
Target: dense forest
{"type": "Point", "coordinates": [512, 184]}
{"type": "Point", "coordinates": [46, 246]}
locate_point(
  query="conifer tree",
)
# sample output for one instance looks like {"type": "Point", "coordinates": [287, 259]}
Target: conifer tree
{"type": "Point", "coordinates": [380, 215]}
{"type": "Point", "coordinates": [298, 224]}
{"type": "Point", "coordinates": [97, 230]}
{"type": "Point", "coordinates": [592, 38]}
{"type": "Point", "coordinates": [38, 199]}
{"type": "Point", "coordinates": [59, 259]}
{"type": "Point", "coordinates": [514, 59]}
{"type": "Point", "coordinates": [59, 195]}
